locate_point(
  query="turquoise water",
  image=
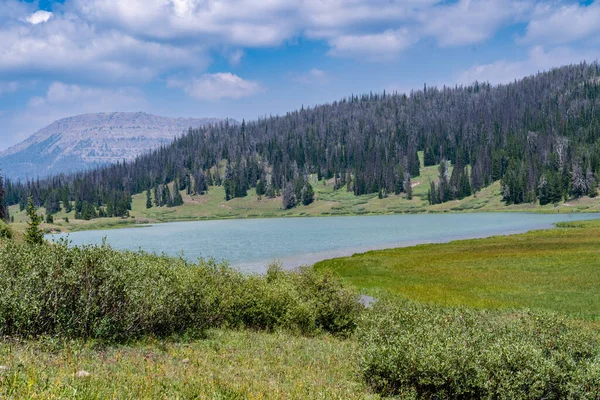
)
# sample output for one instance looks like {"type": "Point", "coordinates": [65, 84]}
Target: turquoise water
{"type": "Point", "coordinates": [252, 244]}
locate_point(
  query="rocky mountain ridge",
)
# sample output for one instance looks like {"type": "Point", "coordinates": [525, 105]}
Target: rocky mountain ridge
{"type": "Point", "coordinates": [89, 140]}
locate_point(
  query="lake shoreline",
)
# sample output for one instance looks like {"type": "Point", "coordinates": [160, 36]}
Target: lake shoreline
{"type": "Point", "coordinates": [124, 223]}
{"type": "Point", "coordinates": [253, 244]}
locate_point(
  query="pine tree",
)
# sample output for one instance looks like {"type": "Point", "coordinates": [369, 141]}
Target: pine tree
{"type": "Point", "coordinates": [157, 201]}
{"type": "Point", "coordinates": [260, 188]}
{"type": "Point", "coordinates": [165, 197]}
{"type": "Point", "coordinates": [308, 194]}
{"type": "Point", "coordinates": [289, 197]}
{"type": "Point", "coordinates": [407, 186]}
{"type": "Point", "coordinates": [177, 199]}
{"type": "Point", "coordinates": [66, 203]}
{"type": "Point", "coordinates": [428, 157]}
{"type": "Point", "coordinates": [148, 199]}
{"type": "Point", "coordinates": [33, 234]}
{"type": "Point", "coordinates": [3, 209]}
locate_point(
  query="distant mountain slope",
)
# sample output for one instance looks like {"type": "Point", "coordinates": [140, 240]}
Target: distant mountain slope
{"type": "Point", "coordinates": [90, 140]}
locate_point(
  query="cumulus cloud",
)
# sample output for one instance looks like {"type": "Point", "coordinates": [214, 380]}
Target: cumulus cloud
{"type": "Point", "coordinates": [471, 21]}
{"type": "Point", "coordinates": [138, 40]}
{"type": "Point", "coordinates": [563, 24]}
{"type": "Point", "coordinates": [39, 17]}
{"type": "Point", "coordinates": [538, 60]}
{"type": "Point", "coordinates": [215, 87]}
{"type": "Point", "coordinates": [379, 46]}
{"type": "Point", "coordinates": [70, 48]}
{"type": "Point", "coordinates": [315, 75]}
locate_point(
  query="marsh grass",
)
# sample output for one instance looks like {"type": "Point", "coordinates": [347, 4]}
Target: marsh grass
{"type": "Point", "coordinates": [556, 270]}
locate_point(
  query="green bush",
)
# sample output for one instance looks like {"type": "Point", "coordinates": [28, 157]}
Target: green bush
{"type": "Point", "coordinates": [5, 231]}
{"type": "Point", "coordinates": [419, 351]}
{"type": "Point", "coordinates": [98, 292]}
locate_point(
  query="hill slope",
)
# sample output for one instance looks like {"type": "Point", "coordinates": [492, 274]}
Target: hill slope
{"type": "Point", "coordinates": [90, 140]}
{"type": "Point", "coordinates": [539, 137]}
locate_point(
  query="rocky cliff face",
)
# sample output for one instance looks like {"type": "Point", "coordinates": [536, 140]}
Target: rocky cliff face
{"type": "Point", "coordinates": [86, 141]}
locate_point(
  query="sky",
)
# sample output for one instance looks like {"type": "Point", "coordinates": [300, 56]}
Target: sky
{"type": "Point", "coordinates": [246, 59]}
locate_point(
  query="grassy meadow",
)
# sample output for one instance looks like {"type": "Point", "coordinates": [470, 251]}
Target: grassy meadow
{"type": "Point", "coordinates": [556, 270]}
{"type": "Point", "coordinates": [224, 365]}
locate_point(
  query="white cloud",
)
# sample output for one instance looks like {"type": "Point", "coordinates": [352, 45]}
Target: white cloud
{"type": "Point", "coordinates": [39, 17]}
{"type": "Point", "coordinates": [564, 24]}
{"type": "Point", "coordinates": [378, 46]}
{"type": "Point", "coordinates": [214, 87]}
{"type": "Point", "coordinates": [470, 21]}
{"type": "Point", "coordinates": [538, 60]}
{"type": "Point", "coordinates": [314, 76]}
{"type": "Point", "coordinates": [138, 40]}
{"type": "Point", "coordinates": [74, 50]}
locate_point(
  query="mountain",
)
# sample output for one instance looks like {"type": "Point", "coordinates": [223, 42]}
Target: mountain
{"type": "Point", "coordinates": [91, 140]}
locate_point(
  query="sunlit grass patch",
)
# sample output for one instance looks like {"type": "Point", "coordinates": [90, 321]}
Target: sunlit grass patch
{"type": "Point", "coordinates": [556, 269]}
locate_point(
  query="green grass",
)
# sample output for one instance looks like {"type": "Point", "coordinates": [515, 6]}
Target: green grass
{"type": "Point", "coordinates": [225, 365]}
{"type": "Point", "coordinates": [557, 270]}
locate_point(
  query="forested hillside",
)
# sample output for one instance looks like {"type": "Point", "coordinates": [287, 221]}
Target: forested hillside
{"type": "Point", "coordinates": [538, 136]}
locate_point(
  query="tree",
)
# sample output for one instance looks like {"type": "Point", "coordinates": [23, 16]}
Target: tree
{"type": "Point", "coordinates": [165, 197]}
{"type": "Point", "coordinates": [407, 186]}
{"type": "Point", "coordinates": [260, 188]}
{"type": "Point", "coordinates": [3, 209]}
{"type": "Point", "coordinates": [428, 157]}
{"type": "Point", "coordinates": [66, 203]}
{"type": "Point", "coordinates": [157, 201]}
{"type": "Point", "coordinates": [289, 197]}
{"type": "Point", "coordinates": [148, 199]}
{"type": "Point", "coordinates": [308, 194]}
{"type": "Point", "coordinates": [200, 183]}
{"type": "Point", "coordinates": [33, 234]}
{"type": "Point", "coordinates": [177, 199]}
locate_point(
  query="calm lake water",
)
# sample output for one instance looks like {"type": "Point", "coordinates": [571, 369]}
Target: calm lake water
{"type": "Point", "coordinates": [252, 244]}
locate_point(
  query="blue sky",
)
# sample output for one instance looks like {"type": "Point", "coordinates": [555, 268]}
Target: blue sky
{"type": "Point", "coordinates": [250, 58]}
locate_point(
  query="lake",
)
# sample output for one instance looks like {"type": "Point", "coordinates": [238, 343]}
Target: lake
{"type": "Point", "coordinates": [251, 244]}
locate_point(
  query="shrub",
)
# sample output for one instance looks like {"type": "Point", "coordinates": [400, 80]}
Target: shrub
{"type": "Point", "coordinates": [98, 292]}
{"type": "Point", "coordinates": [5, 231]}
{"type": "Point", "coordinates": [426, 352]}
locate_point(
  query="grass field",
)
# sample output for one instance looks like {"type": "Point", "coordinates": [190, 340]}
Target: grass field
{"type": "Point", "coordinates": [557, 270]}
{"type": "Point", "coordinates": [225, 365]}
{"type": "Point", "coordinates": [328, 201]}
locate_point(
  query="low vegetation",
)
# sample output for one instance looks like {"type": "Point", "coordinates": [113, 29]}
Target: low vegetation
{"type": "Point", "coordinates": [419, 351]}
{"type": "Point", "coordinates": [93, 322]}
{"type": "Point", "coordinates": [554, 270]}
{"type": "Point", "coordinates": [100, 293]}
{"type": "Point", "coordinates": [224, 364]}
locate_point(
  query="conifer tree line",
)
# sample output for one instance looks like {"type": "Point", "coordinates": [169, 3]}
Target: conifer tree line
{"type": "Point", "coordinates": [539, 136]}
